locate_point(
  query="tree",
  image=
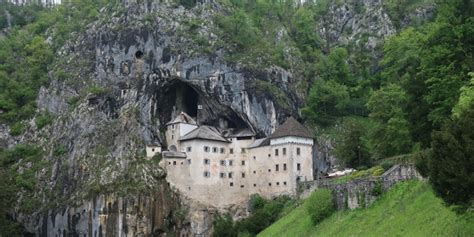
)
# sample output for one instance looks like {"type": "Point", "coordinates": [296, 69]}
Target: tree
{"type": "Point", "coordinates": [352, 148]}
{"type": "Point", "coordinates": [326, 101]}
{"type": "Point", "coordinates": [320, 205]}
{"type": "Point", "coordinates": [466, 98]}
{"type": "Point", "coordinates": [451, 166]}
{"type": "Point", "coordinates": [391, 135]}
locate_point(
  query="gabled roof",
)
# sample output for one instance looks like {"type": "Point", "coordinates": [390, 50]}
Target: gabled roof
{"type": "Point", "coordinates": [291, 127]}
{"type": "Point", "coordinates": [174, 154]}
{"type": "Point", "coordinates": [206, 133]}
{"type": "Point", "coordinates": [259, 142]}
{"type": "Point", "coordinates": [153, 144]}
{"type": "Point", "coordinates": [234, 132]}
{"type": "Point", "coordinates": [182, 118]}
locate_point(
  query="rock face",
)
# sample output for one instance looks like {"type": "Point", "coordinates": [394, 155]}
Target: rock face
{"type": "Point", "coordinates": [114, 87]}
{"type": "Point", "coordinates": [111, 215]}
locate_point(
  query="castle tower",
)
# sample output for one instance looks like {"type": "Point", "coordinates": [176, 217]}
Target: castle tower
{"type": "Point", "coordinates": [178, 127]}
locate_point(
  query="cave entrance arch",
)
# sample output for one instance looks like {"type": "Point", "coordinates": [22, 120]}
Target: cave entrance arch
{"type": "Point", "coordinates": [178, 97]}
{"type": "Point", "coordinates": [189, 102]}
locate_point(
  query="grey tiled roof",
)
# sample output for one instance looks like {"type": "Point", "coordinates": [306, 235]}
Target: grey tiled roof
{"type": "Point", "coordinates": [205, 133]}
{"type": "Point", "coordinates": [291, 127]}
{"type": "Point", "coordinates": [259, 142]}
{"type": "Point", "coordinates": [244, 132]}
{"type": "Point", "coordinates": [183, 118]}
{"type": "Point", "coordinates": [174, 154]}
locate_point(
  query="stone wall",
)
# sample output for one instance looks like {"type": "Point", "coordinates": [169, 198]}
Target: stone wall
{"type": "Point", "coordinates": [360, 192]}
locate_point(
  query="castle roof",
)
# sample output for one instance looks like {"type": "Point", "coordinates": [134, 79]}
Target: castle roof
{"type": "Point", "coordinates": [205, 133]}
{"type": "Point", "coordinates": [259, 142]}
{"type": "Point", "coordinates": [183, 118]}
{"type": "Point", "coordinates": [174, 154]}
{"type": "Point", "coordinates": [291, 127]}
{"type": "Point", "coordinates": [243, 132]}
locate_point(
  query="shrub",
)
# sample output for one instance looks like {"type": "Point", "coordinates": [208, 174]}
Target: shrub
{"type": "Point", "coordinates": [320, 205]}
{"type": "Point", "coordinates": [17, 129]}
{"type": "Point", "coordinates": [43, 120]}
{"type": "Point", "coordinates": [378, 189]}
{"type": "Point", "coordinates": [98, 91]}
{"type": "Point", "coordinates": [60, 150]}
{"type": "Point", "coordinates": [224, 226]}
{"type": "Point", "coordinates": [256, 202]}
{"type": "Point", "coordinates": [377, 170]}
{"type": "Point", "coordinates": [386, 164]}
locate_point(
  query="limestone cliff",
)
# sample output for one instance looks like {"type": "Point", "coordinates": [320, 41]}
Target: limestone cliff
{"type": "Point", "coordinates": [113, 88]}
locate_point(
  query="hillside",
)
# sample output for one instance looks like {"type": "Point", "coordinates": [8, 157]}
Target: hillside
{"type": "Point", "coordinates": [409, 209]}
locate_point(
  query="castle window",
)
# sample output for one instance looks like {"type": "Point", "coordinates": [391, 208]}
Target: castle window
{"type": "Point", "coordinates": [269, 170]}
{"type": "Point", "coordinates": [269, 184]}
{"type": "Point", "coordinates": [242, 186]}
{"type": "Point", "coordinates": [284, 166]}
{"type": "Point", "coordinates": [222, 162]}
{"type": "Point", "coordinates": [169, 163]}
{"type": "Point", "coordinates": [214, 149]}
{"type": "Point", "coordinates": [254, 172]}
{"type": "Point", "coordinates": [188, 149]}
{"type": "Point", "coordinates": [230, 175]}
{"type": "Point", "coordinates": [206, 149]}
{"type": "Point", "coordinates": [276, 152]}
{"type": "Point", "coordinates": [284, 183]}
{"type": "Point", "coordinates": [222, 175]}
{"type": "Point", "coordinates": [269, 155]}
{"type": "Point", "coordinates": [298, 151]}
{"type": "Point", "coordinates": [243, 162]}
{"type": "Point", "coordinates": [172, 137]}
{"type": "Point", "coordinates": [231, 162]}
{"type": "Point", "coordinates": [207, 174]}
{"type": "Point", "coordinates": [153, 149]}
{"type": "Point", "coordinates": [277, 167]}
{"type": "Point", "coordinates": [284, 150]}
{"type": "Point", "coordinates": [254, 158]}
{"type": "Point", "coordinates": [298, 166]}
{"type": "Point", "coordinates": [207, 161]}
{"type": "Point", "coordinates": [189, 161]}
{"type": "Point", "coordinates": [231, 184]}
{"type": "Point", "coordinates": [174, 162]}
{"type": "Point", "coordinates": [242, 150]}
{"type": "Point", "coordinates": [231, 150]}
{"type": "Point", "coordinates": [243, 174]}
{"type": "Point", "coordinates": [222, 150]}
{"type": "Point", "coordinates": [181, 162]}
{"type": "Point", "coordinates": [278, 183]}
{"type": "Point", "coordinates": [255, 185]}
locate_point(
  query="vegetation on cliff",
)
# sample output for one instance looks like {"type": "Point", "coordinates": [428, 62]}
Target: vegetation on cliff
{"type": "Point", "coordinates": [408, 209]}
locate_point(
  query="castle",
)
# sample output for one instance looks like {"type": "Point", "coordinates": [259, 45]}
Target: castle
{"type": "Point", "coordinates": [224, 167]}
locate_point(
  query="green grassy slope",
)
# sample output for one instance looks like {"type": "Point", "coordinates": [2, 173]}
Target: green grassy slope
{"type": "Point", "coordinates": [408, 209]}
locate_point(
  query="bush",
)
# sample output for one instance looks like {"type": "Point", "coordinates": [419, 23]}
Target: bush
{"type": "Point", "coordinates": [377, 170]}
{"type": "Point", "coordinates": [256, 202]}
{"type": "Point", "coordinates": [43, 120]}
{"type": "Point", "coordinates": [387, 164]}
{"type": "Point", "coordinates": [17, 129]}
{"type": "Point", "coordinates": [224, 226]}
{"type": "Point", "coordinates": [320, 205]}
{"type": "Point", "coordinates": [98, 91]}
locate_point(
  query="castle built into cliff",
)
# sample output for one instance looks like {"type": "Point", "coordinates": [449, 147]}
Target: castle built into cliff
{"type": "Point", "coordinates": [225, 167]}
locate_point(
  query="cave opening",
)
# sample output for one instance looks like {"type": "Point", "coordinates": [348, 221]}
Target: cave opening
{"type": "Point", "coordinates": [190, 101]}
{"type": "Point", "coordinates": [138, 54]}
{"type": "Point", "coordinates": [179, 96]}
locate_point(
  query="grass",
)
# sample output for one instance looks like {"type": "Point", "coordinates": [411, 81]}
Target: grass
{"type": "Point", "coordinates": [408, 209]}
